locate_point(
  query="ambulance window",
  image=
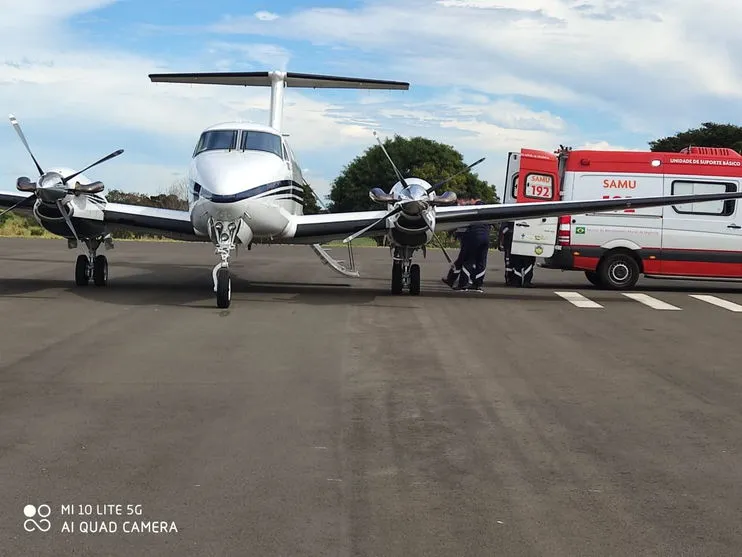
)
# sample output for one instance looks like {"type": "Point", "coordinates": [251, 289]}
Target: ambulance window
{"type": "Point", "coordinates": [514, 191]}
{"type": "Point", "coordinates": [716, 208]}
{"type": "Point", "coordinates": [539, 186]}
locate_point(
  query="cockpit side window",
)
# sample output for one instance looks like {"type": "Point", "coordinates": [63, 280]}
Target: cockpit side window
{"type": "Point", "coordinates": [261, 141]}
{"type": "Point", "coordinates": [216, 140]}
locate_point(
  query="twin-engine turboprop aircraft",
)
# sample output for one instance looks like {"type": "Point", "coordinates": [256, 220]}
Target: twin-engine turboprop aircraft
{"type": "Point", "coordinates": [246, 186]}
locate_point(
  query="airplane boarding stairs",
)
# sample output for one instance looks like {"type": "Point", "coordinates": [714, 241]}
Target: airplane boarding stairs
{"type": "Point", "coordinates": [337, 265]}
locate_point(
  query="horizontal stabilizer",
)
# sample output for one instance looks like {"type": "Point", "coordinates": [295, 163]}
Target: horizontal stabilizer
{"type": "Point", "coordinates": [291, 79]}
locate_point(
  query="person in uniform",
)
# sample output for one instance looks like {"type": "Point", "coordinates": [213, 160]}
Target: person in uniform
{"type": "Point", "coordinates": [505, 243]}
{"type": "Point", "coordinates": [455, 271]}
{"type": "Point", "coordinates": [477, 239]}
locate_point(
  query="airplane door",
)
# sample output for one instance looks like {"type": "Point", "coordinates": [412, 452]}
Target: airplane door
{"type": "Point", "coordinates": [537, 181]}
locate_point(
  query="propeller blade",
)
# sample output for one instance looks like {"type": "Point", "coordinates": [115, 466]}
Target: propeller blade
{"type": "Point", "coordinates": [104, 159]}
{"type": "Point", "coordinates": [442, 182]}
{"type": "Point", "coordinates": [93, 187]}
{"type": "Point", "coordinates": [394, 166]}
{"type": "Point", "coordinates": [440, 244]}
{"type": "Point", "coordinates": [24, 184]}
{"type": "Point", "coordinates": [67, 219]}
{"type": "Point", "coordinates": [373, 224]}
{"type": "Point", "coordinates": [21, 202]}
{"type": "Point", "coordinates": [380, 196]}
{"type": "Point", "coordinates": [18, 130]}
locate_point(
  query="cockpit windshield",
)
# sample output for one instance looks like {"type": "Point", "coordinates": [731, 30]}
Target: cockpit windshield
{"type": "Point", "coordinates": [226, 140]}
{"type": "Point", "coordinates": [261, 141]}
{"type": "Point", "coordinates": [216, 140]}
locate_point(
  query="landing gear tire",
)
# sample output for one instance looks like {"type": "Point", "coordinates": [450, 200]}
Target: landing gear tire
{"type": "Point", "coordinates": [223, 288]}
{"type": "Point", "coordinates": [415, 280]}
{"type": "Point", "coordinates": [397, 278]}
{"type": "Point", "coordinates": [618, 271]}
{"type": "Point", "coordinates": [100, 270]}
{"type": "Point", "coordinates": [593, 277]}
{"type": "Point", "coordinates": [81, 270]}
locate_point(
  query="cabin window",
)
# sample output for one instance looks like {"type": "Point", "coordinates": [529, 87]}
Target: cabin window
{"type": "Point", "coordinates": [713, 208]}
{"type": "Point", "coordinates": [262, 141]}
{"type": "Point", "coordinates": [514, 186]}
{"type": "Point", "coordinates": [216, 140]}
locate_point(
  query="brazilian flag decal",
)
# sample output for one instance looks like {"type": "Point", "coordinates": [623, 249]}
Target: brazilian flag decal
{"type": "Point", "coordinates": [579, 230]}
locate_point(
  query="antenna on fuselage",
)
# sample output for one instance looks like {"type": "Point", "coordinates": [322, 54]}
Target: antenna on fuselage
{"type": "Point", "coordinates": [277, 81]}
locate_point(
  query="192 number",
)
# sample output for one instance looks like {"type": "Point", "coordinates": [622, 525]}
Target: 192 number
{"type": "Point", "coordinates": [541, 191]}
{"type": "Point", "coordinates": [621, 197]}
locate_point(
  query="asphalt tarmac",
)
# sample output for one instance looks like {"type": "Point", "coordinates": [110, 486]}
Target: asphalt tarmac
{"type": "Point", "coordinates": [320, 415]}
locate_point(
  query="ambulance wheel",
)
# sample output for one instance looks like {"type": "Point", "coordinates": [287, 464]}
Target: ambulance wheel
{"type": "Point", "coordinates": [415, 280]}
{"type": "Point", "coordinates": [618, 271]}
{"type": "Point", "coordinates": [397, 277]}
{"type": "Point", "coordinates": [81, 270]}
{"type": "Point", "coordinates": [593, 277]}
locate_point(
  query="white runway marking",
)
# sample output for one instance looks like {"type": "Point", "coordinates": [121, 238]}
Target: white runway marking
{"type": "Point", "coordinates": [578, 300]}
{"type": "Point", "coordinates": [731, 306]}
{"type": "Point", "coordinates": [654, 303]}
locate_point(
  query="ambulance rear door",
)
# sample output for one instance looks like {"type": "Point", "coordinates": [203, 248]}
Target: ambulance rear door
{"type": "Point", "coordinates": [538, 181]}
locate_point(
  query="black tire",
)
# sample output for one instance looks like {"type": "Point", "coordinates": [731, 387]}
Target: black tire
{"type": "Point", "coordinates": [618, 271]}
{"type": "Point", "coordinates": [397, 278]}
{"type": "Point", "coordinates": [100, 270]}
{"type": "Point", "coordinates": [593, 277]}
{"type": "Point", "coordinates": [415, 280]}
{"type": "Point", "coordinates": [81, 270]}
{"type": "Point", "coordinates": [223, 288]}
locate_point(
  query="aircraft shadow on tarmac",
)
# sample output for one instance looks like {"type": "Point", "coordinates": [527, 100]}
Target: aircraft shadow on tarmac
{"type": "Point", "coordinates": [188, 286]}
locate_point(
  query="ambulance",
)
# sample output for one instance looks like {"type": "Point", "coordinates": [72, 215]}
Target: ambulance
{"type": "Point", "coordinates": [701, 241]}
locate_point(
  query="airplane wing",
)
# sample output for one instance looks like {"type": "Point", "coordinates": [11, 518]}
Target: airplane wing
{"type": "Point", "coordinates": [9, 199]}
{"type": "Point", "coordinates": [168, 223]}
{"type": "Point", "coordinates": [311, 229]}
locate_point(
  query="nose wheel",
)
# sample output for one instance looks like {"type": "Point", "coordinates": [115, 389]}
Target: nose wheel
{"type": "Point", "coordinates": [223, 288]}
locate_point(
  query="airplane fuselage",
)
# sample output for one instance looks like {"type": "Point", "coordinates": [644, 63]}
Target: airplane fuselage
{"type": "Point", "coordinates": [245, 172]}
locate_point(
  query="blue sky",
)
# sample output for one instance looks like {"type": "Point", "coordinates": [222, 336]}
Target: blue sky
{"type": "Point", "coordinates": [487, 76]}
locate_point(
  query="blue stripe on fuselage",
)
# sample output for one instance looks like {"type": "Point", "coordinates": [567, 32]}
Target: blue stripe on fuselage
{"type": "Point", "coordinates": [252, 192]}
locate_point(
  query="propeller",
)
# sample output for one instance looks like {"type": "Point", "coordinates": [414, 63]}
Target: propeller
{"type": "Point", "coordinates": [51, 187]}
{"type": "Point", "coordinates": [377, 194]}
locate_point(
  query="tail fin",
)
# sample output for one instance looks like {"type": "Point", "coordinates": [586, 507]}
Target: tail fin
{"type": "Point", "coordinates": [277, 81]}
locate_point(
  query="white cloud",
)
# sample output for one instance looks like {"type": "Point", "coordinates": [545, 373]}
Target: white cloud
{"type": "Point", "coordinates": [619, 63]}
{"type": "Point", "coordinates": [266, 16]}
{"type": "Point", "coordinates": [643, 60]}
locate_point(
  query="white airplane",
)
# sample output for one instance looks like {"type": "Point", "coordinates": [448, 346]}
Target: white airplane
{"type": "Point", "coordinates": [246, 186]}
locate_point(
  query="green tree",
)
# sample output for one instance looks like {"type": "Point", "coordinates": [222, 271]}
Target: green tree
{"type": "Point", "coordinates": [415, 157]}
{"type": "Point", "coordinates": [310, 202]}
{"type": "Point", "coordinates": [709, 134]}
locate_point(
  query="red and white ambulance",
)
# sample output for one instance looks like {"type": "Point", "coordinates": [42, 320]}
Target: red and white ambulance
{"type": "Point", "coordinates": [690, 241]}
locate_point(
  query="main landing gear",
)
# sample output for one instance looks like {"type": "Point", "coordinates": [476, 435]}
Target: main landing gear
{"type": "Point", "coordinates": [405, 274]}
{"type": "Point", "coordinates": [224, 235]}
{"type": "Point", "coordinates": [92, 266]}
